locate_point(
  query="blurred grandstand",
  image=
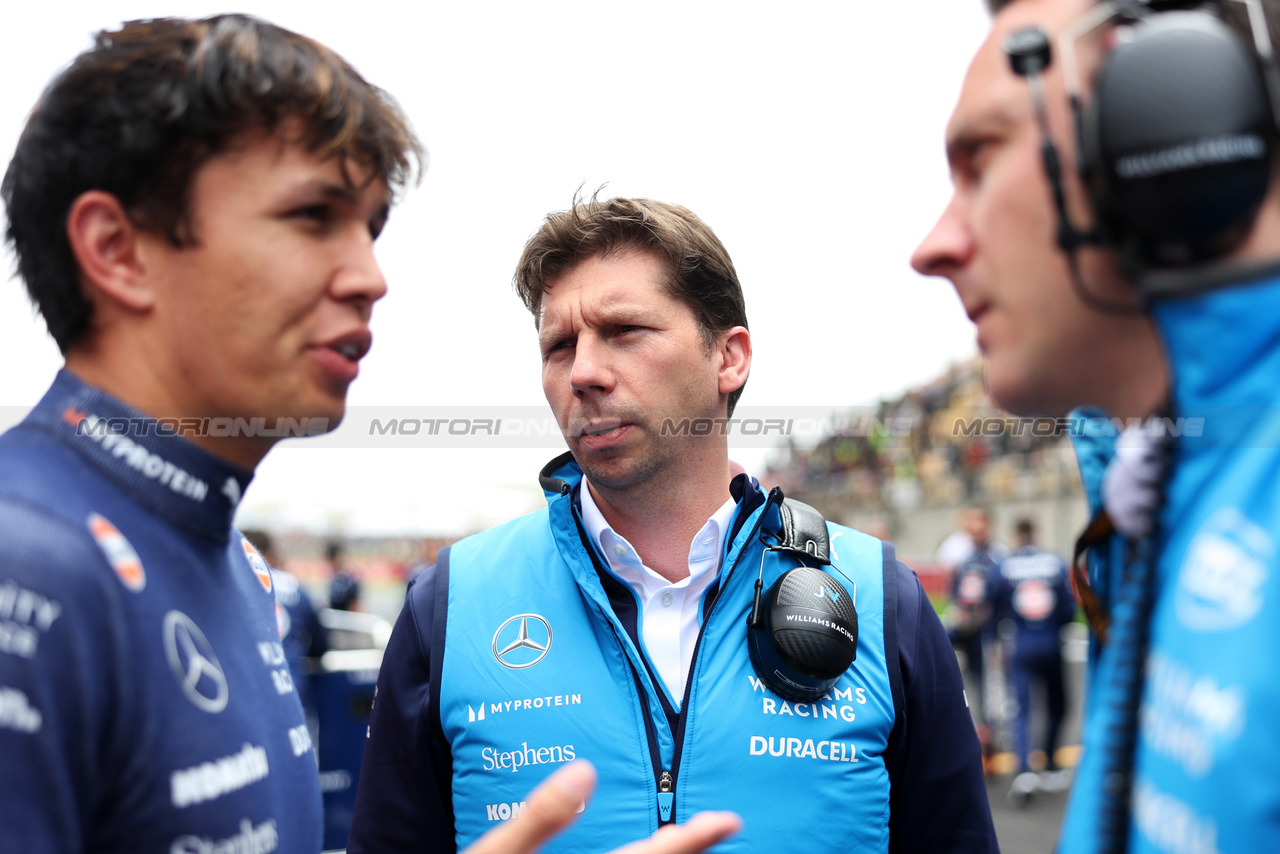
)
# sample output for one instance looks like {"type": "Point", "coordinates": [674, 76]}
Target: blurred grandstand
{"type": "Point", "coordinates": [905, 467]}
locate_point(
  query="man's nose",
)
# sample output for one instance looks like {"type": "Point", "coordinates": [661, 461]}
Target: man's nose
{"type": "Point", "coordinates": [947, 247]}
{"type": "Point", "coordinates": [359, 279]}
{"type": "Point", "coordinates": [592, 366]}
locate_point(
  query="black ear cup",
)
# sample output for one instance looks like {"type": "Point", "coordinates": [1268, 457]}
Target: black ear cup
{"type": "Point", "coordinates": [1178, 139]}
{"type": "Point", "coordinates": [807, 635]}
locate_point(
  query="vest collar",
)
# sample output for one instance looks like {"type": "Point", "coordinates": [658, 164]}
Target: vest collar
{"type": "Point", "coordinates": [1222, 343]}
{"type": "Point", "coordinates": [1220, 333]}
{"type": "Point", "coordinates": [562, 476]}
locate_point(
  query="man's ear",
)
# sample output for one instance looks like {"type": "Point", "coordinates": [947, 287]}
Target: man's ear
{"type": "Point", "coordinates": [105, 243]}
{"type": "Point", "coordinates": [735, 358]}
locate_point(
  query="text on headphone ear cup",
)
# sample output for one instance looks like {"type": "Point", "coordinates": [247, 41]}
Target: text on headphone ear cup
{"type": "Point", "coordinates": [1179, 138]}
{"type": "Point", "coordinates": [808, 636]}
{"type": "Point", "coordinates": [814, 622]}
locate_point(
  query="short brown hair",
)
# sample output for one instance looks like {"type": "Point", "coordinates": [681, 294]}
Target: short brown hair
{"type": "Point", "coordinates": [702, 274]}
{"type": "Point", "coordinates": [138, 113]}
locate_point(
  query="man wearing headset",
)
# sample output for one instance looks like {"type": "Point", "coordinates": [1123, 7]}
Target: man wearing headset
{"type": "Point", "coordinates": [613, 625]}
{"type": "Point", "coordinates": [1147, 288]}
{"type": "Point", "coordinates": [193, 207]}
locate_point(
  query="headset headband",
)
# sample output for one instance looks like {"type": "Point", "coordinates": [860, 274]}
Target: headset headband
{"type": "Point", "coordinates": [1176, 143]}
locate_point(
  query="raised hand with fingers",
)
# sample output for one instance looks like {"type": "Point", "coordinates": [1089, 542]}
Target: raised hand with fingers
{"type": "Point", "coordinates": [552, 807]}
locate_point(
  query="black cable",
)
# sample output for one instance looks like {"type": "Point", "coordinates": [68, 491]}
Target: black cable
{"type": "Point", "coordinates": [1093, 301]}
{"type": "Point", "coordinates": [1070, 238]}
{"type": "Point", "coordinates": [1130, 637]}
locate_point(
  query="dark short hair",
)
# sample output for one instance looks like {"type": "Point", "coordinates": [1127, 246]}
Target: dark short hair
{"type": "Point", "coordinates": [344, 590]}
{"type": "Point", "coordinates": [702, 274]}
{"type": "Point", "coordinates": [138, 113]}
{"type": "Point", "coordinates": [333, 551]}
{"type": "Point", "coordinates": [1025, 528]}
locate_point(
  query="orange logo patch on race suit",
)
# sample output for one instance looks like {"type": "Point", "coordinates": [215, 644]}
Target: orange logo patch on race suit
{"type": "Point", "coordinates": [119, 553]}
{"type": "Point", "coordinates": [258, 563]}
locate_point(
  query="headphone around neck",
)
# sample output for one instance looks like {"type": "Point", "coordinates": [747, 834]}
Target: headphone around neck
{"type": "Point", "coordinates": [803, 634]}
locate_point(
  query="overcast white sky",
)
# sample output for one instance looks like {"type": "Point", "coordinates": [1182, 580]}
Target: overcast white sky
{"type": "Point", "coordinates": [810, 139]}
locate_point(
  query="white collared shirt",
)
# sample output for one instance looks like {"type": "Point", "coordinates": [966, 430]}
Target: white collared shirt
{"type": "Point", "coordinates": [670, 612]}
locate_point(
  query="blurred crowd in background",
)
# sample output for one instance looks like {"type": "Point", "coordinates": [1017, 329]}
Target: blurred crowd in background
{"type": "Point", "coordinates": [943, 443]}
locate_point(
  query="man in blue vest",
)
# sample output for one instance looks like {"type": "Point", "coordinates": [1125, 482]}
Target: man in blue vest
{"type": "Point", "coordinates": [1116, 245]}
{"type": "Point", "coordinates": [613, 625]}
{"type": "Point", "coordinates": [193, 207]}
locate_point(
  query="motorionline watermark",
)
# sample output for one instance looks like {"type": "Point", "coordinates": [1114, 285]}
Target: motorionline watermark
{"type": "Point", "coordinates": [536, 426]}
{"type": "Point", "coordinates": [540, 427]}
{"type": "Point", "coordinates": [787, 427]}
{"type": "Point", "coordinates": [1049, 428]}
{"type": "Point", "coordinates": [547, 426]}
{"type": "Point", "coordinates": [759, 426]}
{"type": "Point", "coordinates": [199, 427]}
{"type": "Point", "coordinates": [461, 426]}
{"type": "Point", "coordinates": [903, 426]}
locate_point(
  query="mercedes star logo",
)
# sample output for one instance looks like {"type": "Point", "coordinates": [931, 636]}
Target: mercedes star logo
{"type": "Point", "coordinates": [194, 663]}
{"type": "Point", "coordinates": [522, 641]}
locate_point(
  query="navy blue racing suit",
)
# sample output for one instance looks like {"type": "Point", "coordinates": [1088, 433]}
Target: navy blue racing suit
{"type": "Point", "coordinates": [145, 701]}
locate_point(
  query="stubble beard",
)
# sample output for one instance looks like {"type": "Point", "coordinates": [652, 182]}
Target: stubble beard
{"type": "Point", "coordinates": [624, 473]}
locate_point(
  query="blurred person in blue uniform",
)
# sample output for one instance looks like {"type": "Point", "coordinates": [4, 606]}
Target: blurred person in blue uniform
{"type": "Point", "coordinates": [344, 592]}
{"type": "Point", "coordinates": [301, 634]}
{"type": "Point", "coordinates": [974, 531]}
{"type": "Point", "coordinates": [1032, 590]}
{"type": "Point", "coordinates": [1114, 234]}
{"type": "Point", "coordinates": [344, 584]}
{"type": "Point", "coordinates": [972, 557]}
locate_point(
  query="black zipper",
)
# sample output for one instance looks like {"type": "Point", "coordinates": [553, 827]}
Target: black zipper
{"type": "Point", "coordinates": [651, 733]}
{"type": "Point", "coordinates": [666, 778]}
